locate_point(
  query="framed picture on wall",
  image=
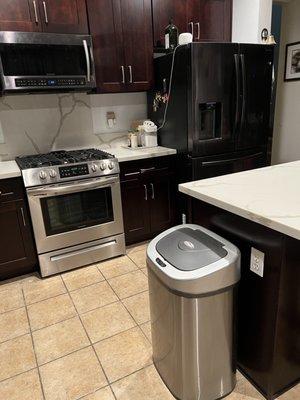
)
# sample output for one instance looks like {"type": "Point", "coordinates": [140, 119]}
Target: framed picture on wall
{"type": "Point", "coordinates": [292, 62]}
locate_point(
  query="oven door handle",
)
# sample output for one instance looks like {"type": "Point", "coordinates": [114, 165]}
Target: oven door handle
{"type": "Point", "coordinates": [72, 188]}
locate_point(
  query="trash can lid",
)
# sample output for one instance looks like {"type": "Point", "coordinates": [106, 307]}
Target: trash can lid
{"type": "Point", "coordinates": [190, 249]}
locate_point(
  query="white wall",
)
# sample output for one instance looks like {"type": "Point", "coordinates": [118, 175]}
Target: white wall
{"type": "Point", "coordinates": [249, 18]}
{"type": "Point", "coordinates": [286, 146]}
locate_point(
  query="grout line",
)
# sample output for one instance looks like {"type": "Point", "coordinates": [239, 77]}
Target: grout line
{"type": "Point", "coordinates": [132, 373]}
{"type": "Point", "coordinates": [18, 374]}
{"type": "Point", "coordinates": [89, 339]}
{"type": "Point", "coordinates": [55, 323]}
{"type": "Point", "coordinates": [33, 346]}
{"type": "Point", "coordinates": [47, 298]}
{"type": "Point", "coordinates": [15, 337]}
{"type": "Point", "coordinates": [13, 309]}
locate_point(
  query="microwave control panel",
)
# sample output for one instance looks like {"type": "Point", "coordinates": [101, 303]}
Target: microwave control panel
{"type": "Point", "coordinates": [49, 82]}
{"type": "Point", "coordinates": [73, 170]}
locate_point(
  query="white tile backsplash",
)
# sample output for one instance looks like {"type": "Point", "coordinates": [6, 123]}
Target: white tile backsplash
{"type": "Point", "coordinates": [41, 123]}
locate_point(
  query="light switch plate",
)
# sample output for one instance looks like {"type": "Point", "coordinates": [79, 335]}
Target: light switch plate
{"type": "Point", "coordinates": [257, 261]}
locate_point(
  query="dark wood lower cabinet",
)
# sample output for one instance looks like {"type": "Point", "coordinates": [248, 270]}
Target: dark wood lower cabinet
{"type": "Point", "coordinates": [149, 197]}
{"type": "Point", "coordinates": [268, 328]}
{"type": "Point", "coordinates": [17, 250]}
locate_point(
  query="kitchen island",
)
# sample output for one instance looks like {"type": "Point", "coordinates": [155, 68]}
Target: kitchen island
{"type": "Point", "coordinates": [259, 210]}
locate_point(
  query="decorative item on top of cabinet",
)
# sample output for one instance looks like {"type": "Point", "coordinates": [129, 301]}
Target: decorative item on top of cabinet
{"type": "Point", "coordinates": [17, 250]}
{"type": "Point", "coordinates": [207, 20]}
{"type": "Point", "coordinates": [148, 189]}
{"type": "Point", "coordinates": [56, 16]}
{"type": "Point", "coordinates": [122, 41]}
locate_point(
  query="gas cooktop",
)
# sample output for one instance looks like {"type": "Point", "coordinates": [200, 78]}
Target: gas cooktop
{"type": "Point", "coordinates": [61, 166]}
{"type": "Point", "coordinates": [62, 157]}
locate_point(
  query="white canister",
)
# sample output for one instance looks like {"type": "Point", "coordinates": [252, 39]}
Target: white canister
{"type": "Point", "coordinates": [134, 141]}
{"type": "Point", "coordinates": [185, 38]}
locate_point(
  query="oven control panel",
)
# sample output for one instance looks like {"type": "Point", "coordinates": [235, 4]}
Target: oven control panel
{"type": "Point", "coordinates": [51, 82]}
{"type": "Point", "coordinates": [73, 170]}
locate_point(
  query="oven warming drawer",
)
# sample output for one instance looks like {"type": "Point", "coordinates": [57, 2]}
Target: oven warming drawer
{"type": "Point", "coordinates": [62, 260]}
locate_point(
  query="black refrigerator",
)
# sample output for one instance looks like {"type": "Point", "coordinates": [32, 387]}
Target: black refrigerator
{"type": "Point", "coordinates": [218, 112]}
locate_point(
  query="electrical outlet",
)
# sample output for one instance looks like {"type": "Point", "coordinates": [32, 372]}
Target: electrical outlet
{"type": "Point", "coordinates": [257, 261]}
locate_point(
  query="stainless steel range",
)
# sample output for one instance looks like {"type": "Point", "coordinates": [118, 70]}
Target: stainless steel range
{"type": "Point", "coordinates": [75, 205]}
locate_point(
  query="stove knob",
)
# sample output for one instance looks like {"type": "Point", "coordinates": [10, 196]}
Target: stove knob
{"type": "Point", "coordinates": [103, 166]}
{"type": "Point", "coordinates": [94, 167]}
{"type": "Point", "coordinates": [52, 173]}
{"type": "Point", "coordinates": [43, 175]}
{"type": "Point", "coordinates": [111, 165]}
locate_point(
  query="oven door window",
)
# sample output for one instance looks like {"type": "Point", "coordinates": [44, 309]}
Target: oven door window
{"type": "Point", "coordinates": [77, 210]}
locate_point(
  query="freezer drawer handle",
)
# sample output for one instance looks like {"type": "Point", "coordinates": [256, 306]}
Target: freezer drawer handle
{"type": "Point", "coordinates": [237, 77]}
{"type": "Point", "coordinates": [242, 56]}
{"type": "Point", "coordinates": [230, 160]}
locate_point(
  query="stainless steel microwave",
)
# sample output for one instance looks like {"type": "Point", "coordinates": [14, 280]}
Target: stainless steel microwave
{"type": "Point", "coordinates": [39, 62]}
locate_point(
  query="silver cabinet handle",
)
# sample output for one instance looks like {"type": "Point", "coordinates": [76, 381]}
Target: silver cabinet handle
{"type": "Point", "coordinates": [143, 170]}
{"type": "Point", "coordinates": [191, 24]}
{"type": "Point", "coordinates": [45, 12]}
{"type": "Point", "coordinates": [152, 191]}
{"type": "Point", "coordinates": [146, 193]}
{"type": "Point", "coordinates": [130, 74]}
{"type": "Point", "coordinates": [198, 30]}
{"type": "Point", "coordinates": [88, 64]}
{"type": "Point", "coordinates": [23, 217]}
{"type": "Point", "coordinates": [123, 73]}
{"type": "Point", "coordinates": [35, 12]}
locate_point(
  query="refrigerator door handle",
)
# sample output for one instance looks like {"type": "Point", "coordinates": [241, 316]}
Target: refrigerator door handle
{"type": "Point", "coordinates": [242, 56]}
{"type": "Point", "coordinates": [237, 77]}
{"type": "Point", "coordinates": [230, 160]}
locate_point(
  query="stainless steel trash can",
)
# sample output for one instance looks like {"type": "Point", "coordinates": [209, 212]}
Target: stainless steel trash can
{"type": "Point", "coordinates": [192, 273]}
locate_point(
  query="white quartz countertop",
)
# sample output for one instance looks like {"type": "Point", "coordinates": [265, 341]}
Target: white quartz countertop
{"type": "Point", "coordinates": [269, 196]}
{"type": "Point", "coordinates": [123, 154]}
{"type": "Point", "coordinates": [9, 169]}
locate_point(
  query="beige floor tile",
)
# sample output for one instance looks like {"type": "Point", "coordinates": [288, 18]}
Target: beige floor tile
{"type": "Point", "coordinates": [137, 247]}
{"type": "Point", "coordinates": [16, 356]}
{"type": "Point", "coordinates": [59, 340]}
{"type": "Point", "coordinates": [244, 387]}
{"type": "Point", "coordinates": [238, 396]}
{"type": "Point", "coordinates": [93, 296]}
{"type": "Point", "coordinates": [144, 384]}
{"type": "Point", "coordinates": [292, 394]}
{"type": "Point", "coordinates": [116, 266]}
{"type": "Point", "coordinates": [72, 376]}
{"type": "Point", "coordinates": [139, 258]}
{"type": "Point", "coordinates": [129, 284]}
{"type": "Point", "coordinates": [22, 387]}
{"type": "Point", "coordinates": [138, 306]}
{"type": "Point", "coordinates": [124, 353]}
{"type": "Point", "coordinates": [13, 323]}
{"type": "Point", "coordinates": [82, 277]}
{"type": "Point", "coordinates": [11, 297]}
{"type": "Point", "coordinates": [145, 271]}
{"type": "Point", "coordinates": [102, 394]}
{"type": "Point", "coordinates": [37, 289]}
{"type": "Point", "coordinates": [50, 311]}
{"type": "Point", "coordinates": [107, 321]}
{"type": "Point", "coordinates": [146, 328]}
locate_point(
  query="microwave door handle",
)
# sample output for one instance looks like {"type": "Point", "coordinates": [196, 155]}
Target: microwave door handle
{"type": "Point", "coordinates": [87, 58]}
{"type": "Point", "coordinates": [71, 188]}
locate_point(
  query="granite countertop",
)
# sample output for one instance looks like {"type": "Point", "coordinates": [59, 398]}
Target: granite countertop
{"type": "Point", "coordinates": [269, 196]}
{"type": "Point", "coordinates": [123, 154]}
{"type": "Point", "coordinates": [9, 169]}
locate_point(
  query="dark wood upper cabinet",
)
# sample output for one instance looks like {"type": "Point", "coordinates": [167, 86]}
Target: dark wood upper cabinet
{"type": "Point", "coordinates": [122, 41]}
{"type": "Point", "coordinates": [20, 15]}
{"type": "Point", "coordinates": [137, 39]}
{"type": "Point", "coordinates": [163, 11]}
{"type": "Point", "coordinates": [64, 16]}
{"type": "Point", "coordinates": [207, 20]}
{"type": "Point", "coordinates": [106, 29]}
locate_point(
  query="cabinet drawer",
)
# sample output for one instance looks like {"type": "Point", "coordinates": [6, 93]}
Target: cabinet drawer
{"type": "Point", "coordinates": [142, 169]}
{"type": "Point", "coordinates": [11, 189]}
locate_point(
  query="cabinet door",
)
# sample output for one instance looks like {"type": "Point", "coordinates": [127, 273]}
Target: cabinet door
{"type": "Point", "coordinates": [215, 20]}
{"type": "Point", "coordinates": [137, 42]}
{"type": "Point", "coordinates": [64, 16]}
{"type": "Point", "coordinates": [17, 253]}
{"type": "Point", "coordinates": [136, 214]}
{"type": "Point", "coordinates": [19, 15]}
{"type": "Point", "coordinates": [162, 192]}
{"type": "Point", "coordinates": [165, 10]}
{"type": "Point", "coordinates": [106, 30]}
